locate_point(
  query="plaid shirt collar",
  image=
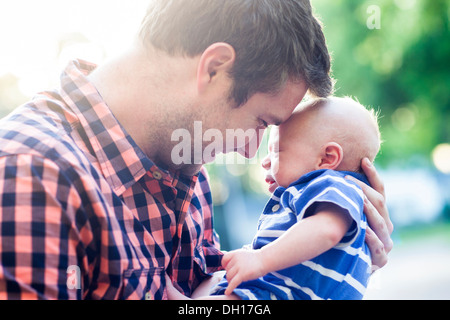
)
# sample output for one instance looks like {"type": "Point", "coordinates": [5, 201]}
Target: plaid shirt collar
{"type": "Point", "coordinates": [121, 161]}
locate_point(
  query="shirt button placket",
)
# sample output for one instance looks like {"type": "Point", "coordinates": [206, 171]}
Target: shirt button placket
{"type": "Point", "coordinates": [157, 175]}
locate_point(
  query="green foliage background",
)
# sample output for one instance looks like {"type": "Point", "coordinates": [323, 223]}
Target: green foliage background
{"type": "Point", "coordinates": [402, 69]}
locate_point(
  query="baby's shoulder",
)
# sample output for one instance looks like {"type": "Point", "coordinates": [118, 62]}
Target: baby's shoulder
{"type": "Point", "coordinates": [324, 186]}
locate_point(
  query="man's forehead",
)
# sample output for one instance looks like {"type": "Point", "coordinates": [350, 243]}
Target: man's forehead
{"type": "Point", "coordinates": [287, 100]}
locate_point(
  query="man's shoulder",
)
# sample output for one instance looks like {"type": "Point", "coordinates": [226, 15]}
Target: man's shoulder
{"type": "Point", "coordinates": [39, 132]}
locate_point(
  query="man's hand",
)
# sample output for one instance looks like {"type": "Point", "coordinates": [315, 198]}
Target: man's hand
{"type": "Point", "coordinates": [242, 265]}
{"type": "Point", "coordinates": [378, 236]}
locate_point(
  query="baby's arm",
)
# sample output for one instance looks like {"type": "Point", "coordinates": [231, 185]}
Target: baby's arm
{"type": "Point", "coordinates": [304, 241]}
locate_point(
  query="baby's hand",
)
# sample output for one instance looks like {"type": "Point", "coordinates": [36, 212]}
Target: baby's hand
{"type": "Point", "coordinates": [242, 265]}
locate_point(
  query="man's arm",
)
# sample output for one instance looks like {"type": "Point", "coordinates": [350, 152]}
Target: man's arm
{"type": "Point", "coordinates": [321, 232]}
{"type": "Point", "coordinates": [37, 238]}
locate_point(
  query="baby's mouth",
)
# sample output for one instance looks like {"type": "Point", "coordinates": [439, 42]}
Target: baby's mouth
{"type": "Point", "coordinates": [272, 184]}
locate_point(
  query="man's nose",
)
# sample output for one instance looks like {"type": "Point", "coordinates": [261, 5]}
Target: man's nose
{"type": "Point", "coordinates": [251, 147]}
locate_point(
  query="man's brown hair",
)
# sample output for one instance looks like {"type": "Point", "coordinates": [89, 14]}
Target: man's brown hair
{"type": "Point", "coordinates": [274, 40]}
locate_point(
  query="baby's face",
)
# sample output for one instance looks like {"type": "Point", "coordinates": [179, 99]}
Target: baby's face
{"type": "Point", "coordinates": [301, 144]}
{"type": "Point", "coordinates": [291, 155]}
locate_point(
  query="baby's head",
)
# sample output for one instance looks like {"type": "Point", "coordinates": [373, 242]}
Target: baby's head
{"type": "Point", "coordinates": [332, 133]}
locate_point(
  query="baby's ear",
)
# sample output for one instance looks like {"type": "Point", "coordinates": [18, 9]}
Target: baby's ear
{"type": "Point", "coordinates": [331, 156]}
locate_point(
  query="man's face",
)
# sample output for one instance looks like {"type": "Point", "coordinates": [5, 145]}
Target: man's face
{"type": "Point", "coordinates": [252, 118]}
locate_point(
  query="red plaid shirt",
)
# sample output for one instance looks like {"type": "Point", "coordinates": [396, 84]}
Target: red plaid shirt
{"type": "Point", "coordinates": [81, 206]}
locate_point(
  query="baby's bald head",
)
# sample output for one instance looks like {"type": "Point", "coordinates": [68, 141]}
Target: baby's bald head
{"type": "Point", "coordinates": [342, 121]}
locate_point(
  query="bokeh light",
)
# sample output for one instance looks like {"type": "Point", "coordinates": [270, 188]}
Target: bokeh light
{"type": "Point", "coordinates": [441, 157]}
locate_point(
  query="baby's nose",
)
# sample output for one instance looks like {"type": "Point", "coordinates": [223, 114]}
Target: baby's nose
{"type": "Point", "coordinates": [266, 163]}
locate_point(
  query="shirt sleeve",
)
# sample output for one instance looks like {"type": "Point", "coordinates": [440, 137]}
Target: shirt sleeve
{"type": "Point", "coordinates": [199, 253]}
{"type": "Point", "coordinates": [39, 237]}
{"type": "Point", "coordinates": [339, 191]}
{"type": "Point", "coordinates": [211, 241]}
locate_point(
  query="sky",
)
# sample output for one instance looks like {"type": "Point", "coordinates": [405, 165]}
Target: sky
{"type": "Point", "coordinates": [31, 31]}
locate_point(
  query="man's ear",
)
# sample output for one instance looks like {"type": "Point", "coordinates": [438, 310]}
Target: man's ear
{"type": "Point", "coordinates": [215, 62]}
{"type": "Point", "coordinates": [331, 156]}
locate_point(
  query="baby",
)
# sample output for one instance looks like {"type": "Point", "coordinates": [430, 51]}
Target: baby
{"type": "Point", "coordinates": [310, 242]}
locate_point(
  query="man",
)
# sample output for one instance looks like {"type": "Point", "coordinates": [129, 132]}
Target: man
{"type": "Point", "coordinates": [93, 205]}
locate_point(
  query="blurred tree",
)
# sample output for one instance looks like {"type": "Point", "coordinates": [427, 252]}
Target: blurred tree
{"type": "Point", "coordinates": [403, 68]}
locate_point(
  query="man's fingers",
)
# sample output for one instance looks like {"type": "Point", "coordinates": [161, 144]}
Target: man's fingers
{"type": "Point", "coordinates": [378, 202]}
{"type": "Point", "coordinates": [373, 177]}
{"type": "Point", "coordinates": [377, 250]}
{"type": "Point", "coordinates": [378, 225]}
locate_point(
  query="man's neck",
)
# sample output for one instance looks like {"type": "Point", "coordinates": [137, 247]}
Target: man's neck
{"type": "Point", "coordinates": [138, 94]}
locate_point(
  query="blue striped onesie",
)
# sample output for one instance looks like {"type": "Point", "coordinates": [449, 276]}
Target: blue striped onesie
{"type": "Point", "coordinates": [342, 273]}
